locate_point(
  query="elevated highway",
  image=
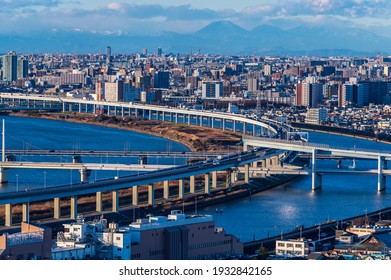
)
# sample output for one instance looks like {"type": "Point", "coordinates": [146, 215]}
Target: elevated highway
{"type": "Point", "coordinates": [382, 157]}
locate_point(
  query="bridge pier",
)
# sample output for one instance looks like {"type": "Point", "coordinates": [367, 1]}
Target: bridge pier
{"type": "Point", "coordinates": [135, 195]}
{"type": "Point", "coordinates": [73, 213]}
{"type": "Point", "coordinates": [166, 189]}
{"type": "Point", "coordinates": [214, 179]}
{"type": "Point", "coordinates": [192, 184]}
{"type": "Point", "coordinates": [228, 181]}
{"type": "Point", "coordinates": [8, 215]}
{"type": "Point", "coordinates": [207, 183]}
{"type": "Point", "coordinates": [3, 175]}
{"type": "Point", "coordinates": [115, 201]}
{"type": "Point", "coordinates": [85, 175]}
{"type": "Point", "coordinates": [316, 178]}
{"type": "Point", "coordinates": [151, 194]}
{"type": "Point", "coordinates": [76, 159]}
{"type": "Point", "coordinates": [181, 186]}
{"type": "Point", "coordinates": [246, 173]}
{"type": "Point", "coordinates": [98, 206]}
{"type": "Point", "coordinates": [57, 208]}
{"type": "Point", "coordinates": [26, 212]}
{"type": "Point", "coordinates": [381, 178]}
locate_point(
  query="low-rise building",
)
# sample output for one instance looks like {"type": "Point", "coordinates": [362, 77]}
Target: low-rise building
{"type": "Point", "coordinates": [33, 242]}
{"type": "Point", "coordinates": [92, 240]}
{"type": "Point", "coordinates": [292, 247]}
{"type": "Point", "coordinates": [181, 237]}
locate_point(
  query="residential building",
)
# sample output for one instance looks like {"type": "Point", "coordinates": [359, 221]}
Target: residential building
{"type": "Point", "coordinates": [10, 65]}
{"type": "Point", "coordinates": [212, 89]}
{"type": "Point", "coordinates": [316, 115]}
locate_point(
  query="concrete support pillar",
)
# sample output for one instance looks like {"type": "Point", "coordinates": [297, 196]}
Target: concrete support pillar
{"type": "Point", "coordinates": [201, 119]}
{"type": "Point", "coordinates": [381, 178]}
{"type": "Point", "coordinates": [135, 195]}
{"type": "Point", "coordinates": [207, 183]}
{"type": "Point", "coordinates": [233, 177]}
{"type": "Point", "coordinates": [115, 201]}
{"type": "Point", "coordinates": [234, 126]}
{"type": "Point", "coordinates": [26, 212]}
{"type": "Point", "coordinates": [223, 124]}
{"type": "Point", "coordinates": [150, 115]}
{"type": "Point", "coordinates": [275, 161]}
{"type": "Point", "coordinates": [254, 164]}
{"type": "Point", "coordinates": [212, 125]}
{"type": "Point", "coordinates": [79, 107]}
{"type": "Point", "coordinates": [254, 130]}
{"type": "Point", "coordinates": [166, 189]}
{"type": "Point", "coordinates": [123, 112]}
{"type": "Point", "coordinates": [316, 178]}
{"type": "Point", "coordinates": [246, 173]}
{"type": "Point", "coordinates": [176, 117]}
{"type": "Point", "coordinates": [99, 205]}
{"type": "Point", "coordinates": [73, 214]}
{"type": "Point", "coordinates": [228, 180]}
{"type": "Point", "coordinates": [245, 147]}
{"type": "Point", "coordinates": [151, 194]}
{"type": "Point", "coordinates": [8, 215]}
{"type": "Point", "coordinates": [192, 184]}
{"type": "Point", "coordinates": [3, 175]}
{"type": "Point", "coordinates": [244, 128]}
{"type": "Point", "coordinates": [181, 188]}
{"type": "Point", "coordinates": [214, 179]}
{"type": "Point", "coordinates": [57, 208]}
{"type": "Point", "coordinates": [85, 175]}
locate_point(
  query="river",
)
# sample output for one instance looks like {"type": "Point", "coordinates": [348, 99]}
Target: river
{"type": "Point", "coordinates": [268, 213]}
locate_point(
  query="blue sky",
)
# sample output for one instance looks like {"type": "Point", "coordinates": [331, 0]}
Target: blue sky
{"type": "Point", "coordinates": [149, 16]}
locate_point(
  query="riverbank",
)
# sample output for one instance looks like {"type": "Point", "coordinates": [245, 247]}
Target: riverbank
{"type": "Point", "coordinates": [195, 138]}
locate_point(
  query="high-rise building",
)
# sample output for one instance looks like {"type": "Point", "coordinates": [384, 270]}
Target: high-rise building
{"type": "Point", "coordinates": [159, 51]}
{"type": "Point", "coordinates": [108, 55]}
{"type": "Point", "coordinates": [114, 91]}
{"type": "Point", "coordinates": [22, 68]}
{"type": "Point", "coordinates": [10, 66]}
{"type": "Point", "coordinates": [252, 84]}
{"type": "Point", "coordinates": [212, 89]}
{"type": "Point", "coordinates": [162, 79]}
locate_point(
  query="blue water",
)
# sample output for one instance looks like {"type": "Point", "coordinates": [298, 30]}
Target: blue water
{"type": "Point", "coordinates": [284, 208]}
{"type": "Point", "coordinates": [267, 213]}
{"type": "Point", "coordinates": [29, 133]}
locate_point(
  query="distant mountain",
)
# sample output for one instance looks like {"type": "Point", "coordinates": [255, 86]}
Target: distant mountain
{"type": "Point", "coordinates": [221, 37]}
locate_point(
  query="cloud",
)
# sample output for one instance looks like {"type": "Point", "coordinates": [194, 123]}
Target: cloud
{"type": "Point", "coordinates": [130, 17]}
{"type": "Point", "coordinates": [17, 4]}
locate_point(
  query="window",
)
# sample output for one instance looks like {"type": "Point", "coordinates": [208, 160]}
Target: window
{"type": "Point", "coordinates": [298, 246]}
{"type": "Point", "coordinates": [281, 244]}
{"type": "Point", "coordinates": [118, 238]}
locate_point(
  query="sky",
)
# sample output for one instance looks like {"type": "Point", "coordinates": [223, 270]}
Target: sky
{"type": "Point", "coordinates": [153, 17]}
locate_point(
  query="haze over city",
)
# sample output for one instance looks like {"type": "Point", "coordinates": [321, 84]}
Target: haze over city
{"type": "Point", "coordinates": [283, 27]}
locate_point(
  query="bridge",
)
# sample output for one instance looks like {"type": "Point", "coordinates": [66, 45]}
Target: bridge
{"type": "Point", "coordinates": [382, 157]}
{"type": "Point", "coordinates": [208, 169]}
{"type": "Point", "coordinates": [224, 121]}
{"type": "Point", "coordinates": [266, 152]}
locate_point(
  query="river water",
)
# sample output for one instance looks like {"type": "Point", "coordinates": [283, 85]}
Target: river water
{"type": "Point", "coordinates": [268, 213]}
